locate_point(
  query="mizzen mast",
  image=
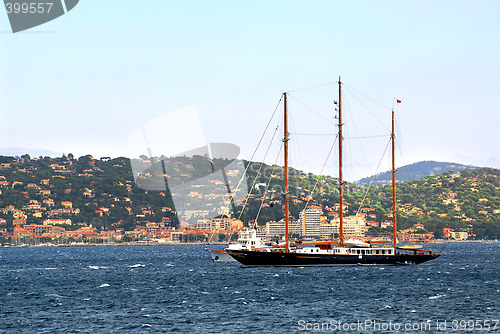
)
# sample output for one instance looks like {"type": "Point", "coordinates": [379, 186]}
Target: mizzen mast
{"type": "Point", "coordinates": [393, 186]}
{"type": "Point", "coordinates": [341, 211]}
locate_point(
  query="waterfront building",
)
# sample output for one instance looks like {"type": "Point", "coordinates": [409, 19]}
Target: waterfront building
{"type": "Point", "coordinates": [277, 229]}
{"type": "Point", "coordinates": [354, 226]}
{"type": "Point", "coordinates": [459, 235]}
{"type": "Point", "coordinates": [261, 232]}
{"type": "Point", "coordinates": [176, 236]}
{"type": "Point", "coordinates": [329, 231]}
{"type": "Point", "coordinates": [311, 221]}
{"type": "Point", "coordinates": [37, 230]}
{"type": "Point", "coordinates": [219, 224]}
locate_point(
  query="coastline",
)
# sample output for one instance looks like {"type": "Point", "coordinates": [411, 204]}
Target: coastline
{"type": "Point", "coordinates": [154, 243]}
{"type": "Point", "coordinates": [133, 243]}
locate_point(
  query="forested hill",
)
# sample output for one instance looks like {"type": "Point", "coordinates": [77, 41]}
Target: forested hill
{"type": "Point", "coordinates": [466, 201]}
{"type": "Point", "coordinates": [102, 192]}
{"type": "Point", "coordinates": [415, 171]}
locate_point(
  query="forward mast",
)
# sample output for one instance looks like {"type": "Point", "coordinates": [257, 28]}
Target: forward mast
{"type": "Point", "coordinates": [285, 149]}
{"type": "Point", "coordinates": [341, 199]}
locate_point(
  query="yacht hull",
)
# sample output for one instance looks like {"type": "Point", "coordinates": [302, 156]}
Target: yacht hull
{"type": "Point", "coordinates": [259, 258]}
{"type": "Point", "coordinates": [220, 255]}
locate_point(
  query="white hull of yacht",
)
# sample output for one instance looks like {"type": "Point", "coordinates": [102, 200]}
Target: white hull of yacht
{"type": "Point", "coordinates": [220, 255]}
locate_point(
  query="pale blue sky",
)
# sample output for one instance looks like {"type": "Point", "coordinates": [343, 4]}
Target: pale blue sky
{"type": "Point", "coordinates": [83, 82]}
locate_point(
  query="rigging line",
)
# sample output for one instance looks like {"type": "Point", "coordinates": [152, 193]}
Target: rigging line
{"type": "Point", "coordinates": [296, 148]}
{"type": "Point", "coordinates": [400, 140]}
{"type": "Point", "coordinates": [258, 144]}
{"type": "Point", "coordinates": [268, 184]}
{"type": "Point", "coordinates": [377, 102]}
{"type": "Point", "coordinates": [321, 172]}
{"type": "Point", "coordinates": [258, 172]}
{"type": "Point", "coordinates": [365, 137]}
{"type": "Point", "coordinates": [311, 109]}
{"type": "Point", "coordinates": [373, 177]}
{"type": "Point", "coordinates": [311, 87]}
{"type": "Point", "coordinates": [367, 109]}
{"type": "Point", "coordinates": [348, 157]}
{"type": "Point", "coordinates": [333, 134]}
{"type": "Point", "coordinates": [355, 129]}
{"type": "Point", "coordinates": [248, 165]}
{"type": "Point", "coordinates": [267, 126]}
{"type": "Point", "coordinates": [313, 134]}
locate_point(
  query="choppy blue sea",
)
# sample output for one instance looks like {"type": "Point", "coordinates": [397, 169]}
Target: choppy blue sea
{"type": "Point", "coordinates": [154, 289]}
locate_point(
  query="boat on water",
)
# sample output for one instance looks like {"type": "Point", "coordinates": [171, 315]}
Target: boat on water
{"type": "Point", "coordinates": [338, 252]}
{"type": "Point", "coordinates": [248, 240]}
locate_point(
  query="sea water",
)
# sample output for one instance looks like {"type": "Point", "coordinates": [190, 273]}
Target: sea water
{"type": "Point", "coordinates": [154, 289]}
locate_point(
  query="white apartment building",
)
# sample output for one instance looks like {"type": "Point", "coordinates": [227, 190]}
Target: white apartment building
{"type": "Point", "coordinates": [310, 219]}
{"type": "Point", "coordinates": [278, 228]}
{"type": "Point", "coordinates": [354, 226]}
{"type": "Point", "coordinates": [329, 231]}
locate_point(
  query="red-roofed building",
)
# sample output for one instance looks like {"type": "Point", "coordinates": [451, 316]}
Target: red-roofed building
{"type": "Point", "coordinates": [20, 232]}
{"type": "Point", "coordinates": [446, 232]}
{"type": "Point", "coordinates": [37, 230]}
{"type": "Point", "coordinates": [140, 230]}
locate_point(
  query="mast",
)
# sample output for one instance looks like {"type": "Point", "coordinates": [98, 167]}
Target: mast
{"type": "Point", "coordinates": [393, 187]}
{"type": "Point", "coordinates": [285, 144]}
{"type": "Point", "coordinates": [341, 211]}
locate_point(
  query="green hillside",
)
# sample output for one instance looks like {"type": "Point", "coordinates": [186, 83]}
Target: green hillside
{"type": "Point", "coordinates": [103, 193]}
{"type": "Point", "coordinates": [91, 185]}
{"type": "Point", "coordinates": [466, 201]}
